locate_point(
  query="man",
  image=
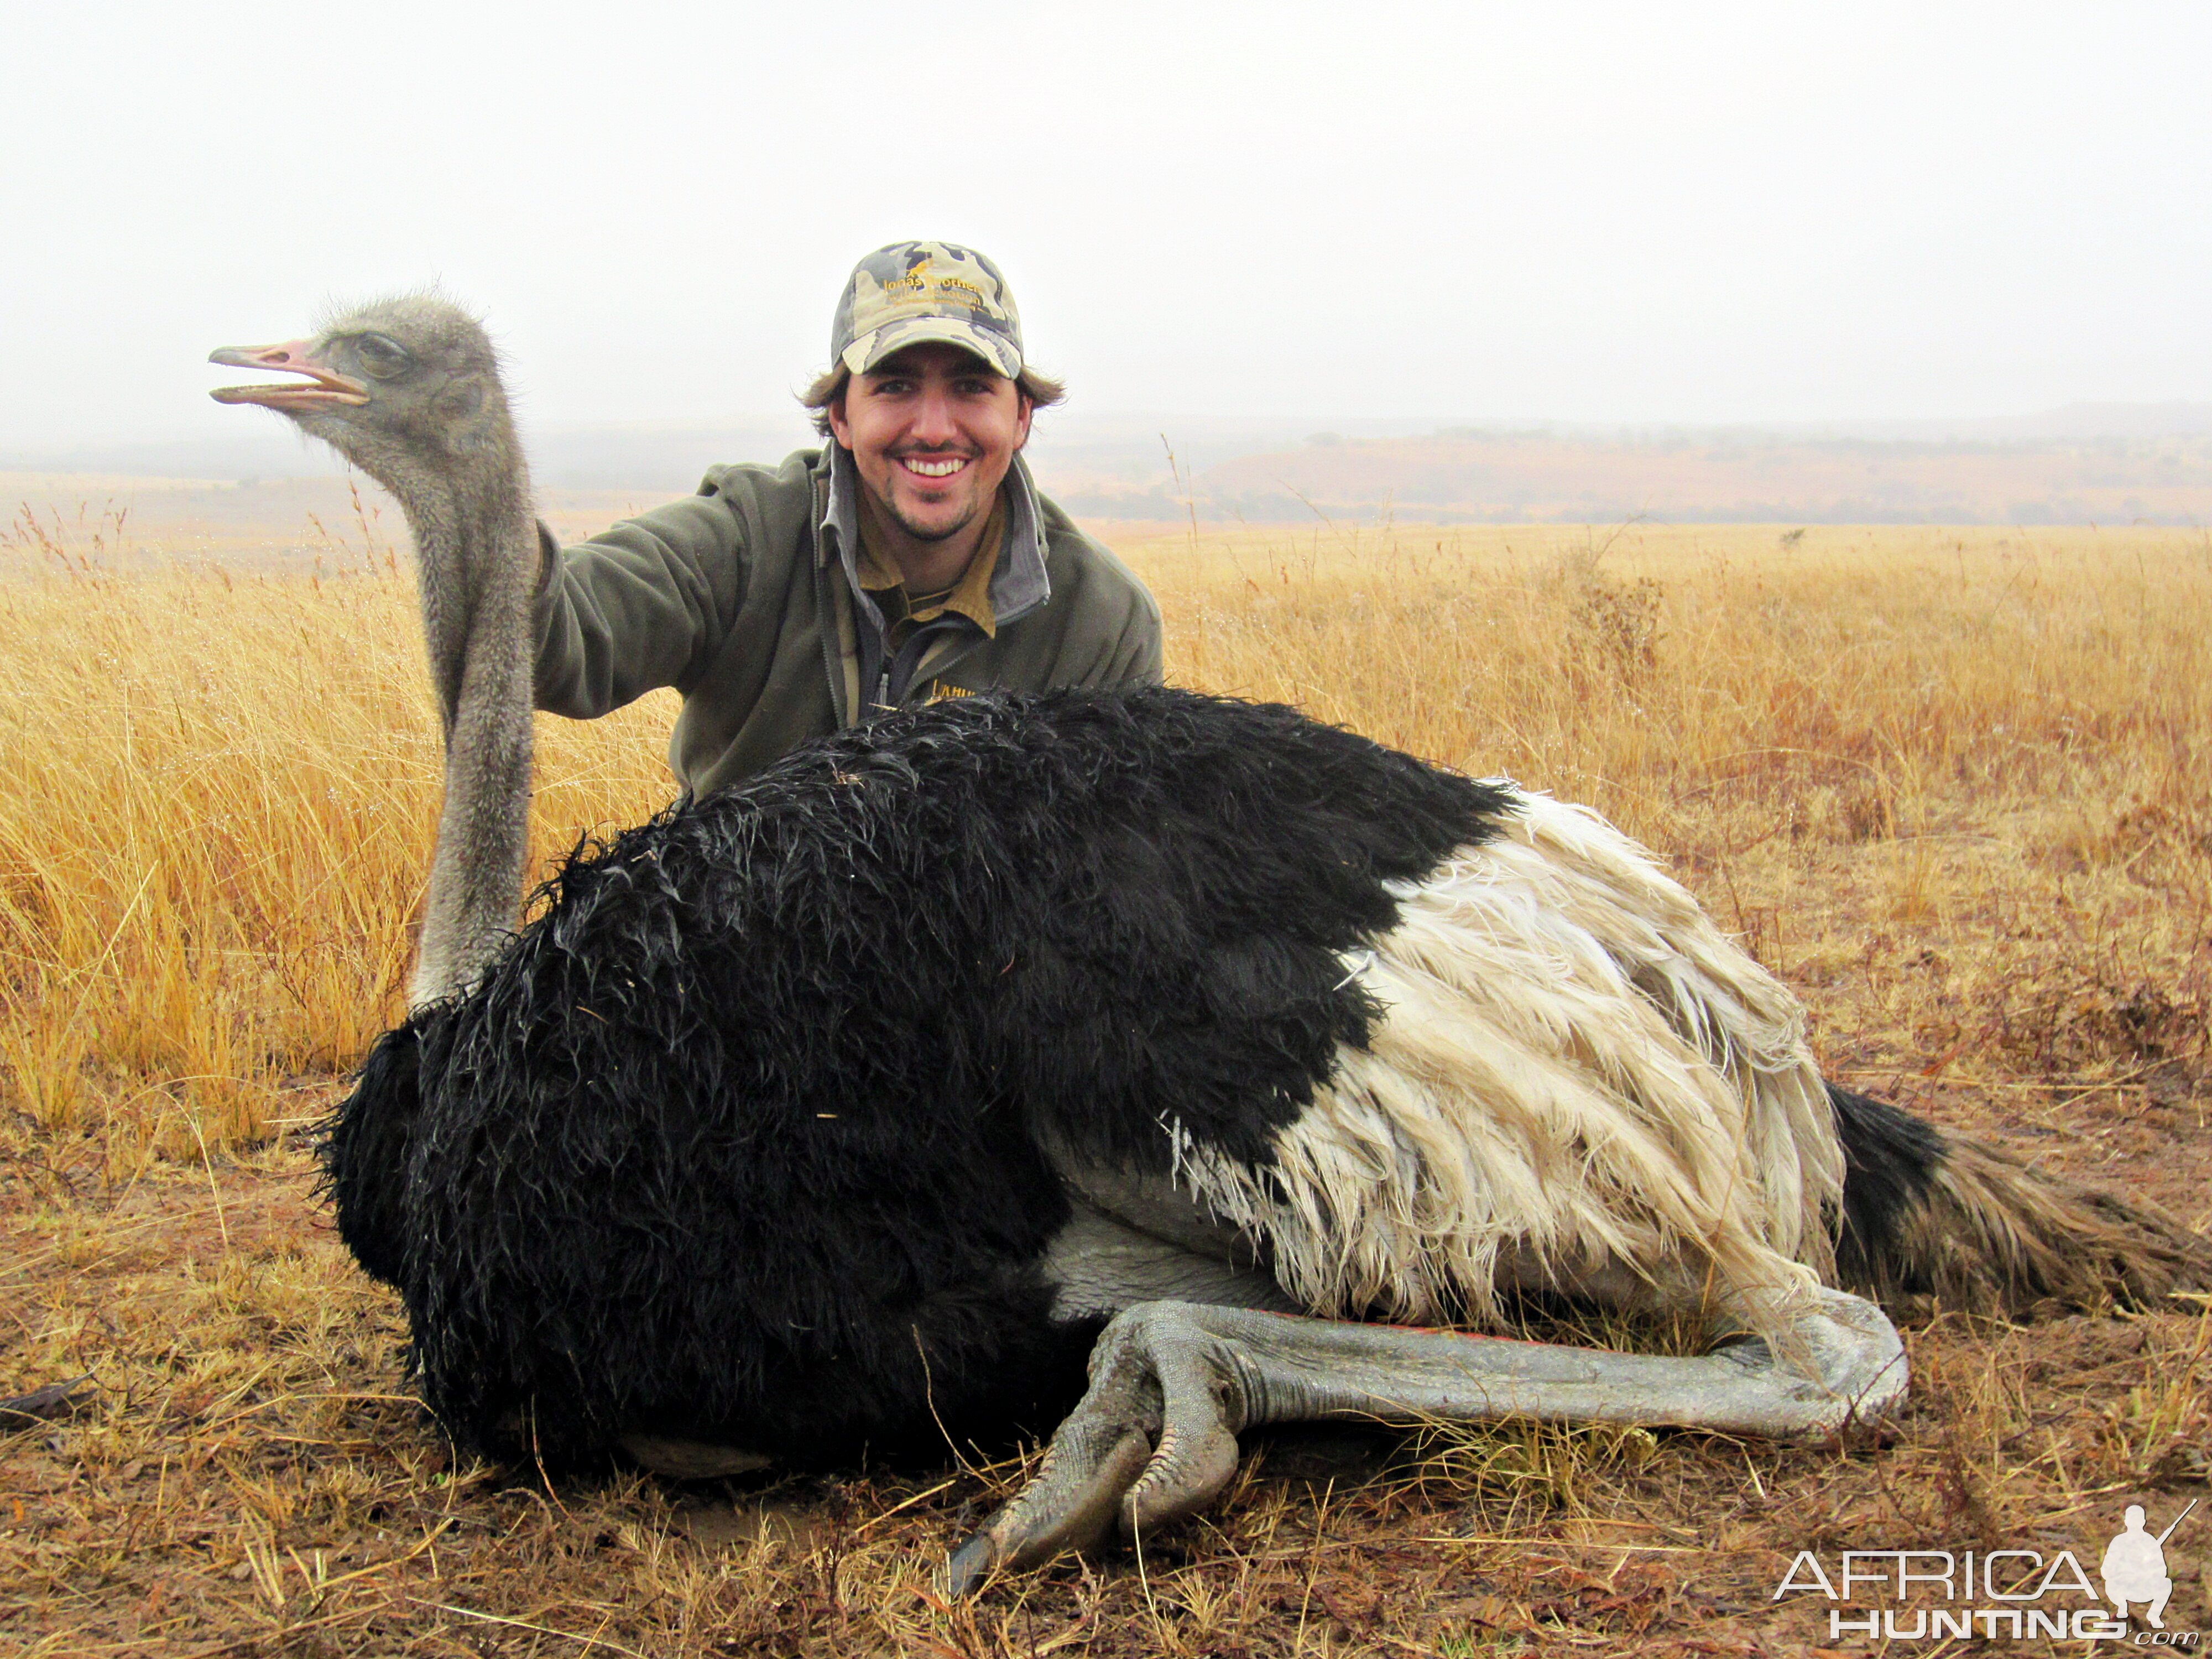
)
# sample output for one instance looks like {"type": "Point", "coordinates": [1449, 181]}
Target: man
{"type": "Point", "coordinates": [911, 558]}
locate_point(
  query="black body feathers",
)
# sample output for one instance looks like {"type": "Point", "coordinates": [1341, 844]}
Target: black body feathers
{"type": "Point", "coordinates": [740, 1140]}
{"type": "Point", "coordinates": [1890, 1160]}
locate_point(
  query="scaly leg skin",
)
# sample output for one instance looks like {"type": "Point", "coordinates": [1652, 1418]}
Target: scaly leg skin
{"type": "Point", "coordinates": [1172, 1383]}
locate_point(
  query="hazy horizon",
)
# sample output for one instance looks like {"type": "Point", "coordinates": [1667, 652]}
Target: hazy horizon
{"type": "Point", "coordinates": [2089, 465]}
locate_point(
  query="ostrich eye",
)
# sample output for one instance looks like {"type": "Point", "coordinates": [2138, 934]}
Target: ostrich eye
{"type": "Point", "coordinates": [380, 358]}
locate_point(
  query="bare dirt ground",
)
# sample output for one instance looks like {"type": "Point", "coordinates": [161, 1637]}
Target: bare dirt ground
{"type": "Point", "coordinates": [1959, 796]}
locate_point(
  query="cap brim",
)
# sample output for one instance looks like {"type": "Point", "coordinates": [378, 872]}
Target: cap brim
{"type": "Point", "coordinates": [872, 348]}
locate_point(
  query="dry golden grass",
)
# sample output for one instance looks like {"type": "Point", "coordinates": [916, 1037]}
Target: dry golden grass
{"type": "Point", "coordinates": [1955, 785]}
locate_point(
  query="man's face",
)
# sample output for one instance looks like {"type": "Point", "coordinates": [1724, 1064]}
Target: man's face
{"type": "Point", "coordinates": [933, 431]}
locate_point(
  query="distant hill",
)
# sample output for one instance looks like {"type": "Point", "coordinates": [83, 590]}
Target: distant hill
{"type": "Point", "coordinates": [2100, 463]}
{"type": "Point", "coordinates": [1460, 477]}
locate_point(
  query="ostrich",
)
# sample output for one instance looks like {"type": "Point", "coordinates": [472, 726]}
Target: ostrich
{"type": "Point", "coordinates": [1173, 1059]}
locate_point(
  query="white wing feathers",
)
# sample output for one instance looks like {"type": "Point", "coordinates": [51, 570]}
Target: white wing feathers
{"type": "Point", "coordinates": [1579, 1080]}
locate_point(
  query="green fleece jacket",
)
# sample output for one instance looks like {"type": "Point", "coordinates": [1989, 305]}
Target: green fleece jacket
{"type": "Point", "coordinates": [747, 598]}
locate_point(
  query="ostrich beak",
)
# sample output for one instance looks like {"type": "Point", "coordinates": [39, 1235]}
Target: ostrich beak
{"type": "Point", "coordinates": [293, 357]}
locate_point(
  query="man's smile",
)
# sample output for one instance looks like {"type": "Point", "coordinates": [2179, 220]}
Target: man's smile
{"type": "Point", "coordinates": [934, 466]}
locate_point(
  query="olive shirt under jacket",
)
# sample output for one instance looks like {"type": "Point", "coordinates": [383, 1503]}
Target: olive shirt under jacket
{"type": "Point", "coordinates": [747, 598]}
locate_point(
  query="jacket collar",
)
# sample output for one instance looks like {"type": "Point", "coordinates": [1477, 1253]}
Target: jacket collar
{"type": "Point", "coordinates": [1018, 586]}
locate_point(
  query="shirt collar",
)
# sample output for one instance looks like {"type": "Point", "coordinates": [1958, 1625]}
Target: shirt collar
{"type": "Point", "coordinates": [969, 597]}
{"type": "Point", "coordinates": [1019, 584]}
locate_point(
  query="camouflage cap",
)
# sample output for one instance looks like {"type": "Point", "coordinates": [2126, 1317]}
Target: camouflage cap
{"type": "Point", "coordinates": [914, 291]}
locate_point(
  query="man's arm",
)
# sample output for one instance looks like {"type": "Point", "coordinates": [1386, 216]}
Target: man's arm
{"type": "Point", "coordinates": [1135, 657]}
{"type": "Point", "coordinates": [644, 605]}
{"type": "Point", "coordinates": [1132, 655]}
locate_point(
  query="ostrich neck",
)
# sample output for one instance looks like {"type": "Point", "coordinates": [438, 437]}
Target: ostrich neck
{"type": "Point", "coordinates": [470, 531]}
{"type": "Point", "coordinates": [476, 547]}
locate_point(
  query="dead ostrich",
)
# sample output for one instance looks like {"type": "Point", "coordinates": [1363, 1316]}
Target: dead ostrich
{"type": "Point", "coordinates": [859, 1105]}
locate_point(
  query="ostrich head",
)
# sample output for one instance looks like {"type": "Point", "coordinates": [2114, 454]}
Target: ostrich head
{"type": "Point", "coordinates": [401, 388]}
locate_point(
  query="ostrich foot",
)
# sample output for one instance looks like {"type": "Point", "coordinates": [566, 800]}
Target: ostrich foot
{"type": "Point", "coordinates": [1173, 1382]}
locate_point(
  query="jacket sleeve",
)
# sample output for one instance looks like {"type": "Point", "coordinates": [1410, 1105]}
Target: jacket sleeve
{"type": "Point", "coordinates": [1132, 657]}
{"type": "Point", "coordinates": [642, 605]}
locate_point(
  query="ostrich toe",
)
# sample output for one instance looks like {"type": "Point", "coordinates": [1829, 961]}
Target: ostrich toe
{"type": "Point", "coordinates": [1154, 1438]}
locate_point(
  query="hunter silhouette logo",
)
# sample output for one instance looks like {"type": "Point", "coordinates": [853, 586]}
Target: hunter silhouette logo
{"type": "Point", "coordinates": [2133, 1568]}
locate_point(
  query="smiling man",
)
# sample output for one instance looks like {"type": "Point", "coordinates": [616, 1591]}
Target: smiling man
{"type": "Point", "coordinates": [910, 558]}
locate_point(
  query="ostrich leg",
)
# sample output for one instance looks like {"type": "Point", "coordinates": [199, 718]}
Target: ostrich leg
{"type": "Point", "coordinates": [1172, 1383]}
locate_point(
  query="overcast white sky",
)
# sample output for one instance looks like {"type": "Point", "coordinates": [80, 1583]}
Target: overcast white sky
{"type": "Point", "coordinates": [1634, 212]}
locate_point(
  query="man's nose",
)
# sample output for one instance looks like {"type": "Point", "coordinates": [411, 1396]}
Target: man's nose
{"type": "Point", "coordinates": [934, 421]}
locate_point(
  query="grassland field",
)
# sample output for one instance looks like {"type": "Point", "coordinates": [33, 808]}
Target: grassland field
{"type": "Point", "coordinates": [1954, 786]}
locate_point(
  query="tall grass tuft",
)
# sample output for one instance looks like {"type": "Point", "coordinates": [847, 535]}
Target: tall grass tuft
{"type": "Point", "coordinates": [217, 790]}
{"type": "Point", "coordinates": [216, 797]}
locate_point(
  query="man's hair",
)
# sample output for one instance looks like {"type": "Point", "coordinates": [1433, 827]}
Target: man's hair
{"type": "Point", "coordinates": [1041, 390]}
